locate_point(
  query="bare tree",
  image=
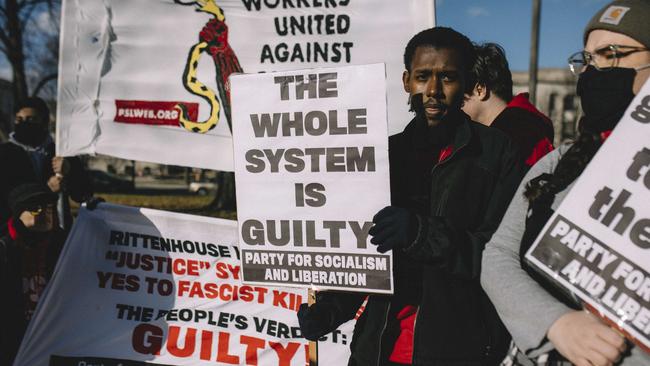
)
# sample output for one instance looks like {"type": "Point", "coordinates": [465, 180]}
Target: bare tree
{"type": "Point", "coordinates": [15, 17]}
{"type": "Point", "coordinates": [44, 66]}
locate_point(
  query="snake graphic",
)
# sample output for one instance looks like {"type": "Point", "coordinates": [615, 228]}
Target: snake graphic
{"type": "Point", "coordinates": [213, 39]}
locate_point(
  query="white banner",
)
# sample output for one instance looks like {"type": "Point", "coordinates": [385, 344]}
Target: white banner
{"type": "Point", "coordinates": [138, 285]}
{"type": "Point", "coordinates": [147, 79]}
{"type": "Point", "coordinates": [311, 161]}
{"type": "Point", "coordinates": [597, 244]}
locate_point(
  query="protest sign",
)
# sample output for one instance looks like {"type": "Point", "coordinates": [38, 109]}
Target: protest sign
{"type": "Point", "coordinates": [137, 285]}
{"type": "Point", "coordinates": [148, 79]}
{"type": "Point", "coordinates": [597, 244]}
{"type": "Point", "coordinates": [311, 160]}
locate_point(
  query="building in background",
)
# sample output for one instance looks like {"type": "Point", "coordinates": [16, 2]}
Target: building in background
{"type": "Point", "coordinates": [556, 97]}
{"type": "Point", "coordinates": [126, 167]}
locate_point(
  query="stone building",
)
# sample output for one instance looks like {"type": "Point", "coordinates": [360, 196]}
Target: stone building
{"type": "Point", "coordinates": [556, 97]}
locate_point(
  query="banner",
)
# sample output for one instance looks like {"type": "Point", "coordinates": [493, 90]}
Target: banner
{"type": "Point", "coordinates": [148, 80]}
{"type": "Point", "coordinates": [311, 161]}
{"type": "Point", "coordinates": [137, 285]}
{"type": "Point", "coordinates": [597, 244]}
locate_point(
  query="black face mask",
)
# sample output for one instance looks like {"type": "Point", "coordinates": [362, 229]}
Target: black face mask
{"type": "Point", "coordinates": [605, 95]}
{"type": "Point", "coordinates": [30, 133]}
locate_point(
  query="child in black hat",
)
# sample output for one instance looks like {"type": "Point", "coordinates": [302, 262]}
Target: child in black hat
{"type": "Point", "coordinates": [28, 254]}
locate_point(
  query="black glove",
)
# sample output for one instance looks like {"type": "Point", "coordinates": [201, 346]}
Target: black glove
{"type": "Point", "coordinates": [316, 320]}
{"type": "Point", "coordinates": [395, 227]}
{"type": "Point", "coordinates": [92, 202]}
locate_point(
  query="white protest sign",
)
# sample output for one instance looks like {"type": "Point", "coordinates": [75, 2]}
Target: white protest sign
{"type": "Point", "coordinates": [597, 244]}
{"type": "Point", "coordinates": [134, 286]}
{"type": "Point", "coordinates": [311, 161]}
{"type": "Point", "coordinates": [148, 79]}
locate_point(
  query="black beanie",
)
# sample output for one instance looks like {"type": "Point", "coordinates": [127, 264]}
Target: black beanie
{"type": "Point", "coordinates": [28, 196]}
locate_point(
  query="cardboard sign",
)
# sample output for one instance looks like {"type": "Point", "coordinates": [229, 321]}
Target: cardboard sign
{"type": "Point", "coordinates": [311, 161]}
{"type": "Point", "coordinates": [597, 244]}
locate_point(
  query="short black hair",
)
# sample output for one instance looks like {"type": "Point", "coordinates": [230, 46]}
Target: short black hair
{"type": "Point", "coordinates": [443, 37]}
{"type": "Point", "coordinates": [491, 70]}
{"type": "Point", "coordinates": [38, 104]}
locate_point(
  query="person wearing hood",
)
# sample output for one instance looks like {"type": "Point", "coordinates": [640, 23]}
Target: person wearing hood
{"type": "Point", "coordinates": [491, 103]}
{"type": "Point", "coordinates": [28, 254]}
{"type": "Point", "coordinates": [29, 156]}
{"type": "Point", "coordinates": [549, 326]}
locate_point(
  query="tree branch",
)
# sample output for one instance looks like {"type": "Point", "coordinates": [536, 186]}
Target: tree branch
{"type": "Point", "coordinates": [42, 83]}
{"type": "Point", "coordinates": [25, 3]}
{"type": "Point", "coordinates": [26, 18]}
{"type": "Point", "coordinates": [4, 38]}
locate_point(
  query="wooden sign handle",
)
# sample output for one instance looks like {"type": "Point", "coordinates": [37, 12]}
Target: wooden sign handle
{"type": "Point", "coordinates": [313, 346]}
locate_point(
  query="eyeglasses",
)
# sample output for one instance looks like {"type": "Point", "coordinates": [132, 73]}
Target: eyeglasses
{"type": "Point", "coordinates": [35, 211]}
{"type": "Point", "coordinates": [603, 58]}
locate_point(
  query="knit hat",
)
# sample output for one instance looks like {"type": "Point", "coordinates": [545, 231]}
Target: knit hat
{"type": "Point", "coordinates": [29, 196]}
{"type": "Point", "coordinates": [629, 17]}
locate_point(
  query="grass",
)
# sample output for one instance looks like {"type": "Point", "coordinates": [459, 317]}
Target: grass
{"type": "Point", "coordinates": [194, 205]}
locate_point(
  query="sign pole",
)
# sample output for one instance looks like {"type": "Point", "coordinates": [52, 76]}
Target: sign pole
{"type": "Point", "coordinates": [313, 345]}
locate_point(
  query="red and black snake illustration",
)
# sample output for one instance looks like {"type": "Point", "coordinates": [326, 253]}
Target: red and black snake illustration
{"type": "Point", "coordinates": [213, 39]}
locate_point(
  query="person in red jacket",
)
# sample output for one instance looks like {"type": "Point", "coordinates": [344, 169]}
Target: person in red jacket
{"type": "Point", "coordinates": [491, 103]}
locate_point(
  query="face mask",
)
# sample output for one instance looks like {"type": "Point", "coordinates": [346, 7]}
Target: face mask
{"type": "Point", "coordinates": [605, 95]}
{"type": "Point", "coordinates": [30, 133]}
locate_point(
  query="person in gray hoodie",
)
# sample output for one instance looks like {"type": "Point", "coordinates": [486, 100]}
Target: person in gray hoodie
{"type": "Point", "coordinates": [548, 327]}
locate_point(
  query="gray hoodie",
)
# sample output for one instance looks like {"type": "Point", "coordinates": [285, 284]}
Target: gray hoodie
{"type": "Point", "coordinates": [527, 310]}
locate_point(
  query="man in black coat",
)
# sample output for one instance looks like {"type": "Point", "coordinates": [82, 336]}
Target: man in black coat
{"type": "Point", "coordinates": [451, 181]}
{"type": "Point", "coordinates": [29, 156]}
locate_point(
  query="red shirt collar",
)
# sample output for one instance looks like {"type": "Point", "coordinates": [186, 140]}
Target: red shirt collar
{"type": "Point", "coordinates": [445, 153]}
{"type": "Point", "coordinates": [13, 233]}
{"type": "Point", "coordinates": [521, 101]}
{"type": "Point", "coordinates": [605, 134]}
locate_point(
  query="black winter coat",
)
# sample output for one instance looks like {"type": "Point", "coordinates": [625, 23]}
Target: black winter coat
{"type": "Point", "coordinates": [12, 306]}
{"type": "Point", "coordinates": [16, 168]}
{"type": "Point", "coordinates": [468, 193]}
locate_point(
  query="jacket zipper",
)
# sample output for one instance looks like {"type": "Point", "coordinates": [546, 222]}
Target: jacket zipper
{"type": "Point", "coordinates": [448, 158]}
{"type": "Point", "coordinates": [443, 199]}
{"type": "Point", "coordinates": [381, 334]}
{"type": "Point", "coordinates": [417, 312]}
{"type": "Point", "coordinates": [488, 347]}
{"type": "Point", "coordinates": [415, 322]}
